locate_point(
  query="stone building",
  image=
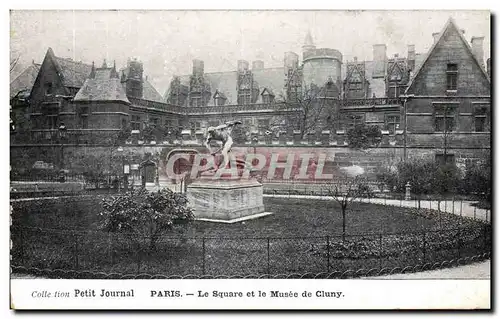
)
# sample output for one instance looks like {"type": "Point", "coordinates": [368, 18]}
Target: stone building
{"type": "Point", "coordinates": [448, 105]}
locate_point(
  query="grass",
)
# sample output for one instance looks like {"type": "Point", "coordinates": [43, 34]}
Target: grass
{"type": "Point", "coordinates": [293, 239]}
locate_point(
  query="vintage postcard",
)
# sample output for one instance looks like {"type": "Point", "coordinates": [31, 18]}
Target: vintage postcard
{"type": "Point", "coordinates": [250, 159]}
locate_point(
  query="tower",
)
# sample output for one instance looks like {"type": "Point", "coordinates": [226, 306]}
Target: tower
{"type": "Point", "coordinates": [308, 43]}
{"type": "Point", "coordinates": [134, 79]}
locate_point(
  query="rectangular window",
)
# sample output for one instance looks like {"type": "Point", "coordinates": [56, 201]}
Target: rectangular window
{"type": "Point", "coordinates": [392, 123]}
{"type": "Point", "coordinates": [220, 101]}
{"type": "Point", "coordinates": [213, 123]}
{"type": "Point", "coordinates": [154, 121]}
{"type": "Point", "coordinates": [135, 122]}
{"type": "Point", "coordinates": [263, 124]}
{"type": "Point", "coordinates": [444, 118]}
{"type": "Point", "coordinates": [354, 120]}
{"type": "Point", "coordinates": [267, 98]}
{"type": "Point", "coordinates": [48, 88]}
{"type": "Point", "coordinates": [195, 126]}
{"type": "Point", "coordinates": [451, 77]}
{"type": "Point", "coordinates": [196, 101]}
{"type": "Point", "coordinates": [245, 97]}
{"type": "Point", "coordinates": [480, 118]}
{"type": "Point", "coordinates": [84, 122]}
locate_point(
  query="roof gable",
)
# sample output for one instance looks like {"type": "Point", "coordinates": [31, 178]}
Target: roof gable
{"type": "Point", "coordinates": [267, 91]}
{"type": "Point", "coordinates": [450, 26]}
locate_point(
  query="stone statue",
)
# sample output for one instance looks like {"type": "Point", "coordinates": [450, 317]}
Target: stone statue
{"type": "Point", "coordinates": [221, 134]}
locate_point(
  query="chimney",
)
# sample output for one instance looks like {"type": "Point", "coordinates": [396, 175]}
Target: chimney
{"type": "Point", "coordinates": [198, 67]}
{"type": "Point", "coordinates": [379, 59]}
{"type": "Point", "coordinates": [463, 31]}
{"type": "Point", "coordinates": [396, 55]}
{"type": "Point", "coordinates": [411, 56]}
{"type": "Point", "coordinates": [435, 35]}
{"type": "Point", "coordinates": [258, 65]}
{"type": "Point", "coordinates": [477, 49]}
{"type": "Point", "coordinates": [355, 59]}
{"type": "Point", "coordinates": [291, 61]}
{"type": "Point", "coordinates": [242, 65]}
{"type": "Point", "coordinates": [92, 71]}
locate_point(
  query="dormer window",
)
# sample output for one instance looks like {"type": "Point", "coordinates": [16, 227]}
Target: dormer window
{"type": "Point", "coordinates": [219, 98]}
{"type": "Point", "coordinates": [267, 96]}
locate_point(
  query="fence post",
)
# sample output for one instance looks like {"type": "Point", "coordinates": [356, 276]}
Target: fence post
{"type": "Point", "coordinates": [485, 241]}
{"type": "Point", "coordinates": [486, 217]}
{"type": "Point", "coordinates": [327, 253]}
{"type": "Point", "coordinates": [21, 244]}
{"type": "Point", "coordinates": [423, 246]}
{"type": "Point", "coordinates": [204, 256]}
{"type": "Point", "coordinates": [76, 250]}
{"type": "Point", "coordinates": [268, 262]}
{"type": "Point", "coordinates": [459, 244]}
{"type": "Point", "coordinates": [474, 212]}
{"type": "Point", "coordinates": [453, 202]}
{"type": "Point", "coordinates": [461, 205]}
{"type": "Point", "coordinates": [380, 250]}
{"type": "Point", "coordinates": [139, 259]}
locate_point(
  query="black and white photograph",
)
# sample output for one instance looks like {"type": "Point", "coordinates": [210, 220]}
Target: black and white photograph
{"type": "Point", "coordinates": [158, 155]}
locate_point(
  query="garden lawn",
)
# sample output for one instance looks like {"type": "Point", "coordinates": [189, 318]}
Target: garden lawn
{"type": "Point", "coordinates": [301, 236]}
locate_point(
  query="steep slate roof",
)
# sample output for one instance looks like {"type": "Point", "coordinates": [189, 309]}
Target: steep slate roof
{"type": "Point", "coordinates": [272, 78]}
{"type": "Point", "coordinates": [25, 80]}
{"type": "Point", "coordinates": [73, 74]}
{"type": "Point", "coordinates": [102, 88]}
{"type": "Point", "coordinates": [450, 23]}
{"type": "Point", "coordinates": [150, 93]}
{"type": "Point", "coordinates": [225, 82]}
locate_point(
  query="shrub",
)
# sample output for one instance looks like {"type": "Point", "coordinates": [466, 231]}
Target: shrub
{"type": "Point", "coordinates": [363, 136]}
{"type": "Point", "coordinates": [145, 215]}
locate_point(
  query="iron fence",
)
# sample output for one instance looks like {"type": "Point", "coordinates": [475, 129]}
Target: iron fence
{"type": "Point", "coordinates": [77, 252]}
{"type": "Point", "coordinates": [463, 206]}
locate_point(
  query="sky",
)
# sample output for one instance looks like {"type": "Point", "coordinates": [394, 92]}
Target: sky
{"type": "Point", "coordinates": [167, 41]}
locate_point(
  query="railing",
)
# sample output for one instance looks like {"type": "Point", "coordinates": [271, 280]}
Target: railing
{"type": "Point", "coordinates": [157, 105]}
{"type": "Point", "coordinates": [77, 254]}
{"type": "Point", "coordinates": [234, 108]}
{"type": "Point", "coordinates": [371, 101]}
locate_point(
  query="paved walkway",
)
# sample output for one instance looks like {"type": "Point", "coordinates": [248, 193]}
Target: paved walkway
{"type": "Point", "coordinates": [462, 208]}
{"type": "Point", "coordinates": [479, 270]}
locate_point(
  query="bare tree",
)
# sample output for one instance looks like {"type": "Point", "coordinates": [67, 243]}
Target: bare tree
{"type": "Point", "coordinates": [13, 62]}
{"type": "Point", "coordinates": [346, 190]}
{"type": "Point", "coordinates": [306, 109]}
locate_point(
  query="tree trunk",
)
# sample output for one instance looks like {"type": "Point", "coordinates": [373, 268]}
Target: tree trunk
{"type": "Point", "coordinates": [343, 224]}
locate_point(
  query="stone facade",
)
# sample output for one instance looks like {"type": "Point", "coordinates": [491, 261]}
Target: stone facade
{"type": "Point", "coordinates": [450, 77]}
{"type": "Point", "coordinates": [448, 104]}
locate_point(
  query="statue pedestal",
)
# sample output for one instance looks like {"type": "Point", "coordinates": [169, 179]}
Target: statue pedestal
{"type": "Point", "coordinates": [226, 200]}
